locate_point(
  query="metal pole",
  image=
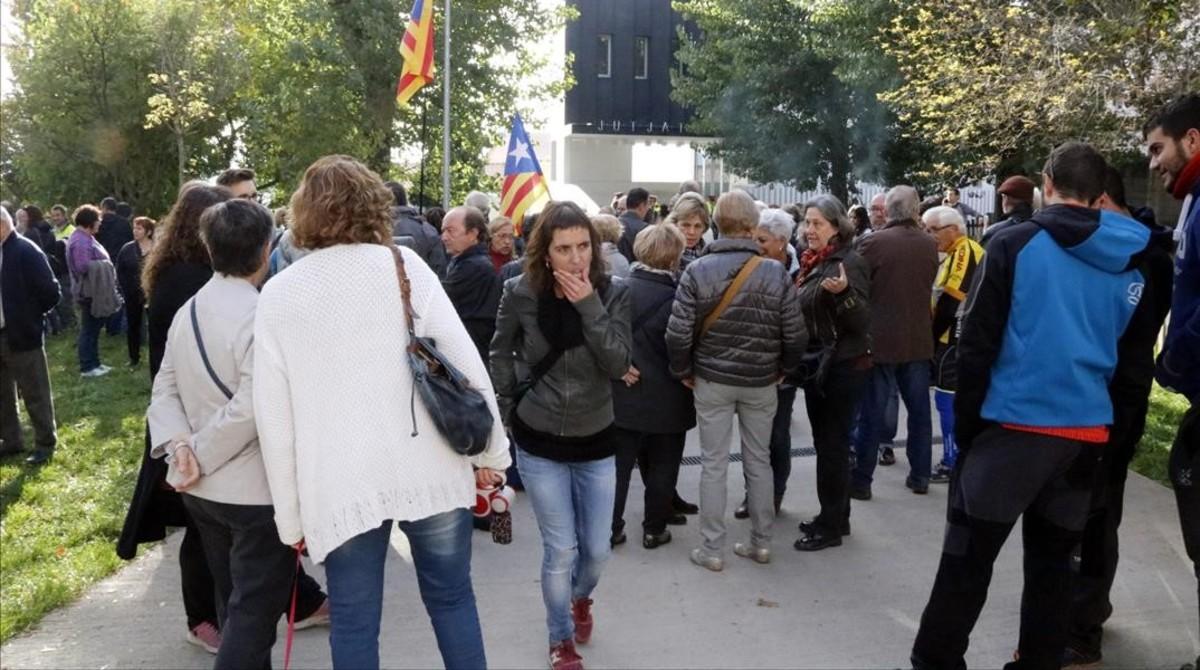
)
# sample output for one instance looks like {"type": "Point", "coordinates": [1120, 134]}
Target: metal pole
{"type": "Point", "coordinates": [446, 203]}
{"type": "Point", "coordinates": [424, 154]}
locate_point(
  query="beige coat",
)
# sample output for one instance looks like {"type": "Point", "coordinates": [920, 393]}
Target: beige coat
{"type": "Point", "coordinates": [187, 402]}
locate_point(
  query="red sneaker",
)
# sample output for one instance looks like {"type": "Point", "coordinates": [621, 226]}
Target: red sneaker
{"type": "Point", "coordinates": [564, 657]}
{"type": "Point", "coordinates": [206, 636]}
{"type": "Point", "coordinates": [581, 612]}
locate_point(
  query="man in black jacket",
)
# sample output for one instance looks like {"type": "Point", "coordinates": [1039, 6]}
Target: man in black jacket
{"type": "Point", "coordinates": [114, 233]}
{"type": "Point", "coordinates": [407, 222]}
{"type": "Point", "coordinates": [471, 281]}
{"type": "Point", "coordinates": [1016, 201]}
{"type": "Point", "coordinates": [1130, 393]}
{"type": "Point", "coordinates": [637, 203]}
{"type": "Point", "coordinates": [27, 291]}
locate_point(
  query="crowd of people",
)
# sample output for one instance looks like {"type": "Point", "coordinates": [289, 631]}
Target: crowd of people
{"type": "Point", "coordinates": [598, 342]}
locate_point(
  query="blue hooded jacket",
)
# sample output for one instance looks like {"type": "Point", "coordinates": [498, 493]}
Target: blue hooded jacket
{"type": "Point", "coordinates": [1039, 339]}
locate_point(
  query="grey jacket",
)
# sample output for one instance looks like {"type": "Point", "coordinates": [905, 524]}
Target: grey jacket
{"type": "Point", "coordinates": [574, 399]}
{"type": "Point", "coordinates": [759, 337]}
{"type": "Point", "coordinates": [100, 286]}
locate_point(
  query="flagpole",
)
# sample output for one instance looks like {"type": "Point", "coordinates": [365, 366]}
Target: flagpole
{"type": "Point", "coordinates": [446, 203]}
{"type": "Point", "coordinates": [424, 154]}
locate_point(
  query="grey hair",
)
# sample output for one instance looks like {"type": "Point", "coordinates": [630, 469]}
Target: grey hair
{"type": "Point", "coordinates": [479, 201]}
{"type": "Point", "coordinates": [902, 204]}
{"type": "Point", "coordinates": [943, 216]}
{"type": "Point", "coordinates": [777, 222]}
{"type": "Point", "coordinates": [833, 211]}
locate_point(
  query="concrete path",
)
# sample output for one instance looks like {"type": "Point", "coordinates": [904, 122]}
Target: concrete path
{"type": "Point", "coordinates": [856, 606]}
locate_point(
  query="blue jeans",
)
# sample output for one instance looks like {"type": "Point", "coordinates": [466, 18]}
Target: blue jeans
{"type": "Point", "coordinates": [573, 503]}
{"type": "Point", "coordinates": [945, 407]}
{"type": "Point", "coordinates": [912, 381]}
{"type": "Point", "coordinates": [89, 337]}
{"type": "Point", "coordinates": [441, 552]}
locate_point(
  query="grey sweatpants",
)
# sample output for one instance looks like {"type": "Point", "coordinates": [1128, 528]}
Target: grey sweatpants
{"type": "Point", "coordinates": [716, 405]}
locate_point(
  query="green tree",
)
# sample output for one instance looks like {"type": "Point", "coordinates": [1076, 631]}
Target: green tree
{"type": "Point", "coordinates": [993, 86]}
{"type": "Point", "coordinates": [81, 74]}
{"type": "Point", "coordinates": [788, 87]}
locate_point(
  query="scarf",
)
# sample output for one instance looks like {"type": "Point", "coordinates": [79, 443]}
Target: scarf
{"type": "Point", "coordinates": [811, 259]}
{"type": "Point", "coordinates": [1187, 178]}
{"type": "Point", "coordinates": [559, 321]}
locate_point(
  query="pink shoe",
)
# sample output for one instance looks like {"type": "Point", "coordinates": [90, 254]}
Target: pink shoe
{"type": "Point", "coordinates": [206, 636]}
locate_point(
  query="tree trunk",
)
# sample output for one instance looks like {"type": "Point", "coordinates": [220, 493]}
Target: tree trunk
{"type": "Point", "coordinates": [180, 155]}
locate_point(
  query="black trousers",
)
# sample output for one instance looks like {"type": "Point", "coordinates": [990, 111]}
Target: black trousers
{"type": "Point", "coordinates": [831, 414]}
{"type": "Point", "coordinates": [253, 572]}
{"type": "Point", "coordinates": [1003, 475]}
{"type": "Point", "coordinates": [200, 591]}
{"type": "Point", "coordinates": [1184, 471]}
{"type": "Point", "coordinates": [134, 311]}
{"type": "Point", "coordinates": [657, 455]}
{"type": "Point", "coordinates": [1098, 552]}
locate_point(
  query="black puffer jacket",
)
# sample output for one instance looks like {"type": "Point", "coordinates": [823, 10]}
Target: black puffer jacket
{"type": "Point", "coordinates": [657, 403]}
{"type": "Point", "coordinates": [842, 319]}
{"type": "Point", "coordinates": [760, 336]}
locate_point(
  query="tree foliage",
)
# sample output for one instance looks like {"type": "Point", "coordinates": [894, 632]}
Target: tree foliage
{"type": "Point", "coordinates": [132, 97]}
{"type": "Point", "coordinates": [789, 88]}
{"type": "Point", "coordinates": [988, 84]}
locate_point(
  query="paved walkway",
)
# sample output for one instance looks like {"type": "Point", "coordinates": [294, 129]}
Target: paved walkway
{"type": "Point", "coordinates": [855, 606]}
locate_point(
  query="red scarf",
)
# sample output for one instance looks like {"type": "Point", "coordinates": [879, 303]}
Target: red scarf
{"type": "Point", "coordinates": [1187, 178]}
{"type": "Point", "coordinates": [811, 259]}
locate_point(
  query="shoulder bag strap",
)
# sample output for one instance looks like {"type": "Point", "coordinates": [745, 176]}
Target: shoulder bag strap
{"type": "Point", "coordinates": [406, 297]}
{"type": "Point", "coordinates": [204, 354]}
{"type": "Point", "coordinates": [730, 294]}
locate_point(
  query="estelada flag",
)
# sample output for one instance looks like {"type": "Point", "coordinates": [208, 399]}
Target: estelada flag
{"type": "Point", "coordinates": [417, 50]}
{"type": "Point", "coordinates": [523, 181]}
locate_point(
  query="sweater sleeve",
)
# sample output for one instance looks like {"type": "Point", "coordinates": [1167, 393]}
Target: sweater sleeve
{"type": "Point", "coordinates": [442, 326]}
{"type": "Point", "coordinates": [276, 429]}
{"type": "Point", "coordinates": [166, 418]}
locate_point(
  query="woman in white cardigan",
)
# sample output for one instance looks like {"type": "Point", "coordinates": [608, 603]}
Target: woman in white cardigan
{"type": "Point", "coordinates": [332, 392]}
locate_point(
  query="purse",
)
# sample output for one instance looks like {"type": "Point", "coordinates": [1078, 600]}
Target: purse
{"type": "Point", "coordinates": [543, 366]}
{"type": "Point", "coordinates": [459, 412]}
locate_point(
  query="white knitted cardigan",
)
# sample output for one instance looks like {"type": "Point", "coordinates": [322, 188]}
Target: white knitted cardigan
{"type": "Point", "coordinates": [332, 392]}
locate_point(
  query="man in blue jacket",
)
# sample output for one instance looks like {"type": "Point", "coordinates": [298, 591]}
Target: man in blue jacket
{"type": "Point", "coordinates": [1036, 355]}
{"type": "Point", "coordinates": [1173, 139]}
{"type": "Point", "coordinates": [28, 290]}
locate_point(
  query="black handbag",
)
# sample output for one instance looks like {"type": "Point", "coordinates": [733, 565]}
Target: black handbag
{"type": "Point", "coordinates": [543, 366]}
{"type": "Point", "coordinates": [459, 412]}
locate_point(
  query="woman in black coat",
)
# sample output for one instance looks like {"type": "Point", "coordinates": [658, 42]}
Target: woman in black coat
{"type": "Point", "coordinates": [130, 261]}
{"type": "Point", "coordinates": [834, 288]}
{"type": "Point", "coordinates": [653, 410]}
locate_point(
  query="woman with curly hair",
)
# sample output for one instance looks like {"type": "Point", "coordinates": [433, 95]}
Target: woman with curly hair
{"type": "Point", "coordinates": [348, 450]}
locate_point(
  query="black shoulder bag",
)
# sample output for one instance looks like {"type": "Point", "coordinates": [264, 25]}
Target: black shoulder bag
{"type": "Point", "coordinates": [535, 375]}
{"type": "Point", "coordinates": [459, 411]}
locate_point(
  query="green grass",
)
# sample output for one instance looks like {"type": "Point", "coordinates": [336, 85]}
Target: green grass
{"type": "Point", "coordinates": [59, 522]}
{"type": "Point", "coordinates": [1166, 412]}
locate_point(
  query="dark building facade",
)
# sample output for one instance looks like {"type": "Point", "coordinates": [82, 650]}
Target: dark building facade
{"type": "Point", "coordinates": [624, 52]}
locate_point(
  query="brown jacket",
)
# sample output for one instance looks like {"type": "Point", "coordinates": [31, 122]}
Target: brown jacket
{"type": "Point", "coordinates": [903, 264]}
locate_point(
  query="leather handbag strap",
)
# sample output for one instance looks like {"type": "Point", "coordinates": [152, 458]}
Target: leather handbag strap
{"type": "Point", "coordinates": [730, 294]}
{"type": "Point", "coordinates": [204, 354]}
{"type": "Point", "coordinates": [406, 298]}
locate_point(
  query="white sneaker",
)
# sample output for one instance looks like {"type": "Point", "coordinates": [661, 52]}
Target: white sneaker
{"type": "Point", "coordinates": [95, 372]}
{"type": "Point", "coordinates": [105, 368]}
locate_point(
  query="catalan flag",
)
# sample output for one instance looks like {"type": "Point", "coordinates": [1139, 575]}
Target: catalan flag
{"type": "Point", "coordinates": [523, 181]}
{"type": "Point", "coordinates": [417, 50]}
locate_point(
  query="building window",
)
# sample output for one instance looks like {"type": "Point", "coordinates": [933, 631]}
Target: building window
{"type": "Point", "coordinates": [604, 56]}
{"type": "Point", "coordinates": [641, 57]}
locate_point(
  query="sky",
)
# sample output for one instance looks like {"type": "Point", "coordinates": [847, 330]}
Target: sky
{"type": "Point", "coordinates": [5, 40]}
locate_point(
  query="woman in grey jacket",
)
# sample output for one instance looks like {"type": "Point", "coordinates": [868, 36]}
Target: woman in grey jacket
{"type": "Point", "coordinates": [571, 323]}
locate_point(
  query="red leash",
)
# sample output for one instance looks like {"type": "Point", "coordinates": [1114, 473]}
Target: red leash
{"type": "Point", "coordinates": [291, 628]}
